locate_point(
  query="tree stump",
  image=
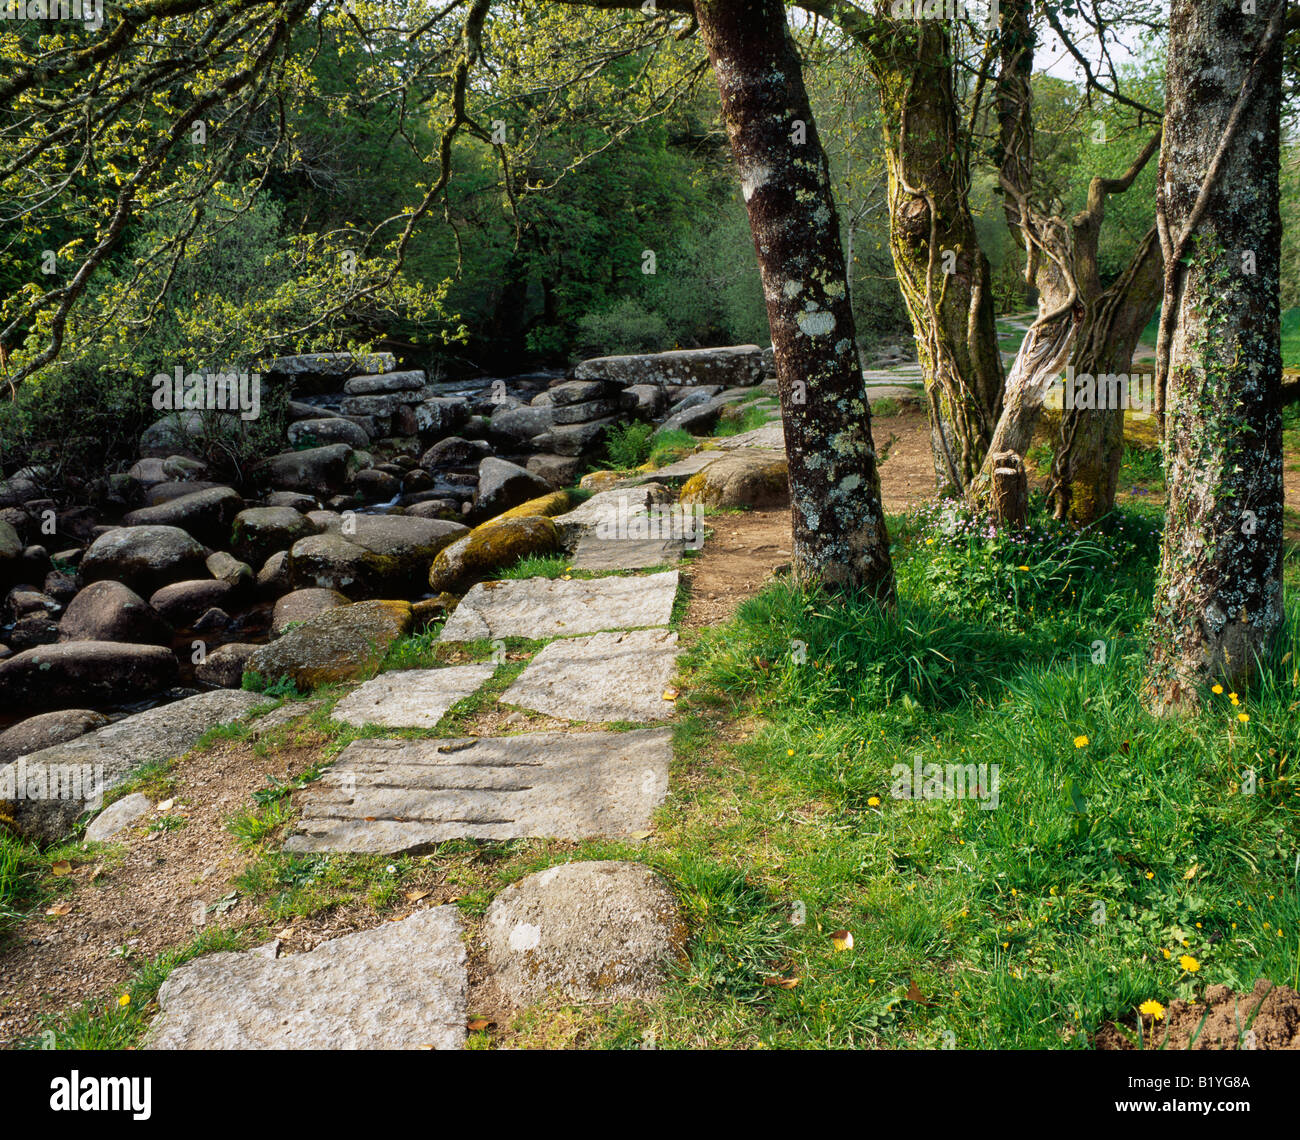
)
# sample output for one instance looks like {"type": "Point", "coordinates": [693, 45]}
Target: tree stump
{"type": "Point", "coordinates": [1010, 489]}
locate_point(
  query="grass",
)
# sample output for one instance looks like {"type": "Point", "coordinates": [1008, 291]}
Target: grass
{"type": "Point", "coordinates": [670, 446]}
{"type": "Point", "coordinates": [1119, 843]}
{"type": "Point", "coordinates": [739, 419]}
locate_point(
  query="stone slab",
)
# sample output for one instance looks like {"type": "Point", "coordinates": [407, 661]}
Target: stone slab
{"type": "Point", "coordinates": [540, 608]}
{"type": "Point", "coordinates": [596, 553]}
{"type": "Point", "coordinates": [411, 698]}
{"type": "Point", "coordinates": [683, 469]}
{"type": "Point", "coordinates": [401, 985]}
{"type": "Point", "coordinates": [605, 931]}
{"type": "Point", "coordinates": [605, 677]}
{"type": "Point", "coordinates": [391, 796]}
{"type": "Point", "coordinates": [770, 437]}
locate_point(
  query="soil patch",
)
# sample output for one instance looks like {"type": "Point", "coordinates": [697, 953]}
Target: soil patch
{"type": "Point", "coordinates": [1224, 1020]}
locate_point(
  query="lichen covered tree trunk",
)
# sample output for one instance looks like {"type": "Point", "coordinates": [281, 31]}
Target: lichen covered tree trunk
{"type": "Point", "coordinates": [838, 520]}
{"type": "Point", "coordinates": [1218, 602]}
{"type": "Point", "coordinates": [942, 272]}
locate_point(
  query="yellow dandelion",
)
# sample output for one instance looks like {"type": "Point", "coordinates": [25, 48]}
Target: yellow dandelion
{"type": "Point", "coordinates": [1081, 742]}
{"type": "Point", "coordinates": [1152, 1009]}
{"type": "Point", "coordinates": [1233, 698]}
{"type": "Point", "coordinates": [124, 1000]}
{"type": "Point", "coordinates": [1151, 874]}
{"type": "Point", "coordinates": [1216, 689]}
{"type": "Point", "coordinates": [873, 801]}
{"type": "Point", "coordinates": [1022, 567]}
{"type": "Point", "coordinates": [1243, 717]}
{"type": "Point", "coordinates": [1188, 963]}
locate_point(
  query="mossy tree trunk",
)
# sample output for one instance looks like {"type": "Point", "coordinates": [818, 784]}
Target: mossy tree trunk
{"type": "Point", "coordinates": [838, 520]}
{"type": "Point", "coordinates": [942, 272]}
{"type": "Point", "coordinates": [1218, 603]}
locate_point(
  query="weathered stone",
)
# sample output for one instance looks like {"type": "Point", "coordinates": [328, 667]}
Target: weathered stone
{"type": "Point", "coordinates": [146, 558]}
{"type": "Point", "coordinates": [227, 568]}
{"type": "Point", "coordinates": [741, 479]}
{"type": "Point", "coordinates": [555, 470]}
{"type": "Point", "coordinates": [45, 730]}
{"type": "Point", "coordinates": [225, 666]}
{"type": "Point", "coordinates": [541, 608]}
{"type": "Point", "coordinates": [683, 469]}
{"type": "Point", "coordinates": [259, 532]}
{"type": "Point", "coordinates": [697, 419]}
{"type": "Point", "coordinates": [368, 556]}
{"type": "Point", "coordinates": [273, 578]}
{"type": "Point", "coordinates": [605, 677]}
{"type": "Point", "coordinates": [206, 515]}
{"type": "Point", "coordinates": [335, 645]}
{"type": "Point", "coordinates": [293, 499]}
{"type": "Point", "coordinates": [612, 513]}
{"type": "Point", "coordinates": [575, 439]}
{"type": "Point", "coordinates": [319, 372]}
{"type": "Point", "coordinates": [399, 985]}
{"type": "Point", "coordinates": [84, 672]}
{"type": "Point", "coordinates": [770, 437]}
{"type": "Point", "coordinates": [737, 366]}
{"type": "Point", "coordinates": [109, 755]}
{"type": "Point", "coordinates": [514, 427]}
{"type": "Point", "coordinates": [603, 931]}
{"type": "Point", "coordinates": [455, 452]}
{"type": "Point", "coordinates": [585, 413]}
{"type": "Point", "coordinates": [441, 416]}
{"type": "Point", "coordinates": [375, 486]}
{"type": "Point", "coordinates": [411, 381]}
{"type": "Point", "coordinates": [182, 603]}
{"type": "Point", "coordinates": [23, 600]}
{"type": "Point", "coordinates": [303, 605]}
{"type": "Point", "coordinates": [11, 554]}
{"type": "Point", "coordinates": [32, 630]}
{"type": "Point", "coordinates": [596, 553]}
{"type": "Point", "coordinates": [117, 817]}
{"type": "Point", "coordinates": [381, 407]}
{"type": "Point", "coordinates": [411, 698]}
{"type": "Point", "coordinates": [110, 611]}
{"type": "Point", "coordinates": [502, 485]}
{"type": "Point", "coordinates": [491, 547]}
{"type": "Point", "coordinates": [581, 392]}
{"type": "Point", "coordinates": [649, 398]}
{"type": "Point", "coordinates": [316, 470]}
{"type": "Point", "coordinates": [390, 796]}
{"type": "Point", "coordinates": [335, 429]}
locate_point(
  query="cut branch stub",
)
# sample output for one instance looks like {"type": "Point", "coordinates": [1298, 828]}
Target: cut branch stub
{"type": "Point", "coordinates": [1010, 499]}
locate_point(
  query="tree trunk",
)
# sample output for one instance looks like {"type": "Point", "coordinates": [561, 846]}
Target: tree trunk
{"type": "Point", "coordinates": [1218, 603]}
{"type": "Point", "coordinates": [942, 272]}
{"type": "Point", "coordinates": [1085, 468]}
{"type": "Point", "coordinates": [838, 520]}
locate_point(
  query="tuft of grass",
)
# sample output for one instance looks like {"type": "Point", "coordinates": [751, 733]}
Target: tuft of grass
{"type": "Point", "coordinates": [670, 446]}
{"type": "Point", "coordinates": [627, 446]}
{"type": "Point", "coordinates": [740, 418]}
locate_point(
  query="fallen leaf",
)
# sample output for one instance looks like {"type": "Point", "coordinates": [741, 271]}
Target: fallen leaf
{"type": "Point", "coordinates": [842, 940]}
{"type": "Point", "coordinates": [914, 993]}
{"type": "Point", "coordinates": [479, 1023]}
{"type": "Point", "coordinates": [784, 983]}
{"type": "Point", "coordinates": [287, 932]}
{"type": "Point", "coordinates": [59, 909]}
{"type": "Point", "coordinates": [62, 867]}
{"type": "Point", "coordinates": [670, 694]}
{"type": "Point", "coordinates": [166, 805]}
{"type": "Point", "coordinates": [1191, 871]}
{"type": "Point", "coordinates": [416, 896]}
{"type": "Point", "coordinates": [641, 835]}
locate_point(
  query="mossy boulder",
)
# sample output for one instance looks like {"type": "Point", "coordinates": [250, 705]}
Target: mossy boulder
{"type": "Point", "coordinates": [373, 556]}
{"type": "Point", "coordinates": [741, 480]}
{"type": "Point", "coordinates": [544, 506]}
{"type": "Point", "coordinates": [334, 646]}
{"type": "Point", "coordinates": [487, 548]}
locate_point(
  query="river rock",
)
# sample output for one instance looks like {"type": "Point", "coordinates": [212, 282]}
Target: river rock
{"type": "Point", "coordinates": [77, 673]}
{"type": "Point", "coordinates": [46, 730]}
{"type": "Point", "coordinates": [737, 366]}
{"type": "Point", "coordinates": [335, 645]}
{"type": "Point", "coordinates": [317, 470]}
{"type": "Point", "coordinates": [110, 611]}
{"type": "Point", "coordinates": [183, 603]}
{"type": "Point", "coordinates": [314, 433]}
{"type": "Point", "coordinates": [145, 558]}
{"type": "Point", "coordinates": [299, 606]}
{"type": "Point", "coordinates": [258, 532]}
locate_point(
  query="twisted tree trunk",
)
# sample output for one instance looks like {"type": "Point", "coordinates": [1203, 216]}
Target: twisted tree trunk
{"type": "Point", "coordinates": [839, 527]}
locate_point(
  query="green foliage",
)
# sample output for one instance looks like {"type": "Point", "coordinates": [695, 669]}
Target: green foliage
{"type": "Point", "coordinates": [628, 445]}
{"type": "Point", "coordinates": [670, 446]}
{"type": "Point", "coordinates": [253, 682]}
{"type": "Point", "coordinates": [626, 328]}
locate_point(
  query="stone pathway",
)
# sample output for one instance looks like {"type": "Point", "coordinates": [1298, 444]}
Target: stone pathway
{"type": "Point", "coordinates": [582, 930]}
{"type": "Point", "coordinates": [412, 698]}
{"type": "Point", "coordinates": [540, 608]}
{"type": "Point", "coordinates": [393, 796]}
